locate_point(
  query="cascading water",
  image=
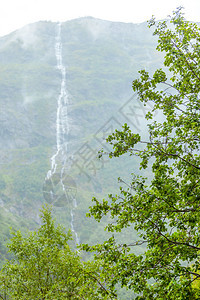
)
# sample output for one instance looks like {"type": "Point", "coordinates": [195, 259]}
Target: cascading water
{"type": "Point", "coordinates": [58, 160]}
{"type": "Point", "coordinates": [72, 221]}
{"type": "Point", "coordinates": [62, 121]}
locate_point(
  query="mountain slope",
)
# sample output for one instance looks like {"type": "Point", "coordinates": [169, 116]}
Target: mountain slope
{"type": "Point", "coordinates": [100, 60]}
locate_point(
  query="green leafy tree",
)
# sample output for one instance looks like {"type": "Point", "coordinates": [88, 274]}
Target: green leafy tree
{"type": "Point", "coordinates": [166, 211]}
{"type": "Point", "coordinates": [45, 267]}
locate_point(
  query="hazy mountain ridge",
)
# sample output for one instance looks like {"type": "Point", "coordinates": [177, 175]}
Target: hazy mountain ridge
{"type": "Point", "coordinates": [101, 59]}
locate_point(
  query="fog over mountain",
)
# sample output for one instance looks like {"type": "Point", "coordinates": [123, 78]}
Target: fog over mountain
{"type": "Point", "coordinates": [63, 89]}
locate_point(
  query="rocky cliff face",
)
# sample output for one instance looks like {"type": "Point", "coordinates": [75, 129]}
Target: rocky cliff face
{"type": "Point", "coordinates": [101, 59]}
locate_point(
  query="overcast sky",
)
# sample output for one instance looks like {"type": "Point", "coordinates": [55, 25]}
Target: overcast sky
{"type": "Point", "coordinates": [17, 13]}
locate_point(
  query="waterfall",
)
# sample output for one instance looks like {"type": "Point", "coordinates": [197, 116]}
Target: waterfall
{"type": "Point", "coordinates": [59, 159]}
{"type": "Point", "coordinates": [72, 222]}
{"type": "Point", "coordinates": [62, 120]}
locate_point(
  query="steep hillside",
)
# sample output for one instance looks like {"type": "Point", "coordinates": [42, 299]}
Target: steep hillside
{"type": "Point", "coordinates": [94, 67]}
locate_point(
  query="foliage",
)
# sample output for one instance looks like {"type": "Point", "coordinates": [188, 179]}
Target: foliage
{"type": "Point", "coordinates": [45, 267]}
{"type": "Point", "coordinates": [166, 212]}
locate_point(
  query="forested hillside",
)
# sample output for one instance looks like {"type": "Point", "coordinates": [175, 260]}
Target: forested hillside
{"type": "Point", "coordinates": [67, 90]}
{"type": "Point", "coordinates": [101, 59]}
